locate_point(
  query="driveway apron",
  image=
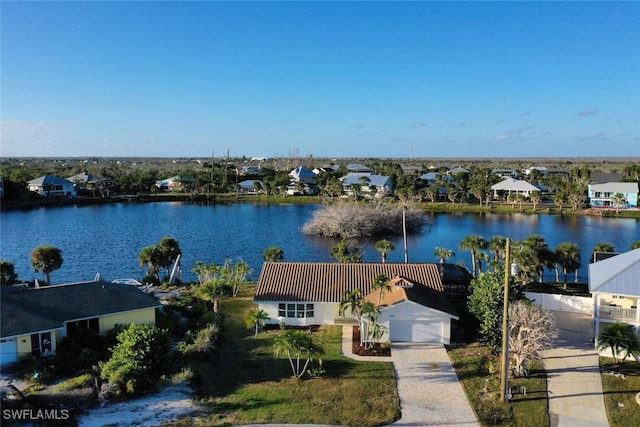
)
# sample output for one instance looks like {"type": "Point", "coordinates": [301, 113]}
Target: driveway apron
{"type": "Point", "coordinates": [429, 389]}
{"type": "Point", "coordinates": [573, 374]}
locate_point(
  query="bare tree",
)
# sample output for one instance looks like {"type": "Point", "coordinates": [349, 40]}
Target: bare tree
{"type": "Point", "coordinates": [532, 330]}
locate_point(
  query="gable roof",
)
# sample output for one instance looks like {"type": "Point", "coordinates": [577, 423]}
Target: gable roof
{"type": "Point", "coordinates": [616, 275]}
{"type": "Point", "coordinates": [404, 290]}
{"type": "Point", "coordinates": [35, 309]}
{"type": "Point", "coordinates": [376, 180]}
{"type": "Point", "coordinates": [326, 282]}
{"type": "Point", "coordinates": [49, 180]}
{"type": "Point", "coordinates": [514, 185]}
{"type": "Point", "coordinates": [615, 187]}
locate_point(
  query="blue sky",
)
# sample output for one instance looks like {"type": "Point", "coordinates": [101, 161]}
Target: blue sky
{"type": "Point", "coordinates": [328, 79]}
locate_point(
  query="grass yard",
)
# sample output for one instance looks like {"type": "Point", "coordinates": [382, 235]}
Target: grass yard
{"type": "Point", "coordinates": [618, 390]}
{"type": "Point", "coordinates": [479, 372]}
{"type": "Point", "coordinates": [245, 384]}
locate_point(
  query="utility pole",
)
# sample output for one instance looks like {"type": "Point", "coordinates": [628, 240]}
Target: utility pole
{"type": "Point", "coordinates": [504, 359]}
{"type": "Point", "coordinates": [404, 233]}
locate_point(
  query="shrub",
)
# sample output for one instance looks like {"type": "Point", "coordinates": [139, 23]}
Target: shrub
{"type": "Point", "coordinates": [139, 359]}
{"type": "Point", "coordinates": [203, 342]}
{"type": "Point", "coordinates": [352, 220]}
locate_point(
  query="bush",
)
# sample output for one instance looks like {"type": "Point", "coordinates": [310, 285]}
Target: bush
{"type": "Point", "coordinates": [203, 342]}
{"type": "Point", "coordinates": [352, 220]}
{"type": "Point", "coordinates": [138, 361]}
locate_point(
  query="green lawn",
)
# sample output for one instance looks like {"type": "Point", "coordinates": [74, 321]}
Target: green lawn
{"type": "Point", "coordinates": [479, 372]}
{"type": "Point", "coordinates": [618, 390]}
{"type": "Point", "coordinates": [245, 384]}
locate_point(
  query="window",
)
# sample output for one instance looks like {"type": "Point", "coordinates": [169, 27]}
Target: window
{"type": "Point", "coordinates": [41, 344]}
{"type": "Point", "coordinates": [91, 324]}
{"type": "Point", "coordinates": [298, 311]}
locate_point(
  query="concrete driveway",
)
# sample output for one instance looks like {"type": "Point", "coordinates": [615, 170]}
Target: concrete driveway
{"type": "Point", "coordinates": [573, 374]}
{"type": "Point", "coordinates": [429, 389]}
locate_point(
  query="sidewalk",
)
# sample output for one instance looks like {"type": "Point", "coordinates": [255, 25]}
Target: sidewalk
{"type": "Point", "coordinates": [574, 383]}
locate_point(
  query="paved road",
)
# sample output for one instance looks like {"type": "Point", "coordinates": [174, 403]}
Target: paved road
{"type": "Point", "coordinates": [574, 383]}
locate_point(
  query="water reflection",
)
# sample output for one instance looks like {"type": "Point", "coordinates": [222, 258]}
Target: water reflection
{"type": "Point", "coordinates": [108, 238]}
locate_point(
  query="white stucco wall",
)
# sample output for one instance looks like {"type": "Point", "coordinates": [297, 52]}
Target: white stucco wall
{"type": "Point", "coordinates": [557, 302]}
{"type": "Point", "coordinates": [408, 310]}
{"type": "Point", "coordinates": [324, 314]}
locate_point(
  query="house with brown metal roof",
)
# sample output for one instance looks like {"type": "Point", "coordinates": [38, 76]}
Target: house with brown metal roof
{"type": "Point", "coordinates": [305, 294]}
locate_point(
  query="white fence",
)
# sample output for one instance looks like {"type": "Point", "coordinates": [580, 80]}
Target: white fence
{"type": "Point", "coordinates": [559, 302]}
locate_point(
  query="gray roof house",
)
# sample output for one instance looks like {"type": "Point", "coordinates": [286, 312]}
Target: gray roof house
{"type": "Point", "coordinates": [602, 195]}
{"type": "Point", "coordinates": [614, 285]}
{"type": "Point", "coordinates": [376, 185]}
{"type": "Point", "coordinates": [52, 186]}
{"type": "Point", "coordinates": [35, 319]}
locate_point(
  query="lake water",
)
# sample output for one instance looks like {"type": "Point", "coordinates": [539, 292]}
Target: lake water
{"type": "Point", "coordinates": [108, 238]}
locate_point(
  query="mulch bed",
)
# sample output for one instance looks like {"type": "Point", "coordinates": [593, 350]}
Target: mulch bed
{"type": "Point", "coordinates": [376, 349]}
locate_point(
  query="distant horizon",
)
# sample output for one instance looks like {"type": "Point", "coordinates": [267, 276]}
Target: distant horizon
{"type": "Point", "coordinates": [548, 159]}
{"type": "Point", "coordinates": [328, 79]}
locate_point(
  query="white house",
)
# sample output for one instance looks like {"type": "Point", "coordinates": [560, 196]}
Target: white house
{"type": "Point", "coordinates": [615, 285]}
{"type": "Point", "coordinates": [52, 186]}
{"type": "Point", "coordinates": [601, 195]}
{"type": "Point", "coordinates": [514, 186]}
{"type": "Point", "coordinates": [305, 294]}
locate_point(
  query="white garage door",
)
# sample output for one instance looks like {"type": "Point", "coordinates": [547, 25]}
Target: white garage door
{"type": "Point", "coordinates": [8, 351]}
{"type": "Point", "coordinates": [415, 331]}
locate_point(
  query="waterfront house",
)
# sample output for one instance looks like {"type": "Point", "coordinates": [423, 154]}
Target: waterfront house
{"type": "Point", "coordinates": [36, 319]}
{"type": "Point", "coordinates": [176, 183]}
{"type": "Point", "coordinates": [251, 186]}
{"type": "Point", "coordinates": [369, 184]}
{"type": "Point", "coordinates": [602, 195]}
{"type": "Point", "coordinates": [303, 175]}
{"type": "Point", "coordinates": [305, 294]}
{"type": "Point", "coordinates": [510, 186]}
{"type": "Point", "coordinates": [615, 285]}
{"type": "Point", "coordinates": [52, 186]}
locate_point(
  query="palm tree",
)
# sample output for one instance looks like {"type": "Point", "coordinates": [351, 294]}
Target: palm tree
{"type": "Point", "coordinates": [443, 254]}
{"type": "Point", "coordinates": [602, 247]}
{"type": "Point", "coordinates": [273, 254]}
{"type": "Point", "coordinates": [567, 254]}
{"type": "Point", "coordinates": [371, 311]}
{"type": "Point", "coordinates": [257, 318]}
{"type": "Point", "coordinates": [620, 338]}
{"type": "Point", "coordinates": [383, 246]}
{"type": "Point", "coordinates": [497, 245]}
{"type": "Point", "coordinates": [381, 283]}
{"type": "Point", "coordinates": [473, 243]}
{"type": "Point", "coordinates": [213, 290]}
{"type": "Point", "coordinates": [345, 252]}
{"type": "Point", "coordinates": [351, 300]}
{"type": "Point", "coordinates": [297, 344]}
{"type": "Point", "coordinates": [46, 258]}
{"type": "Point", "coordinates": [8, 274]}
{"type": "Point", "coordinates": [170, 249]}
{"type": "Point", "coordinates": [151, 256]}
{"type": "Point", "coordinates": [536, 197]}
{"type": "Point", "coordinates": [618, 200]}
